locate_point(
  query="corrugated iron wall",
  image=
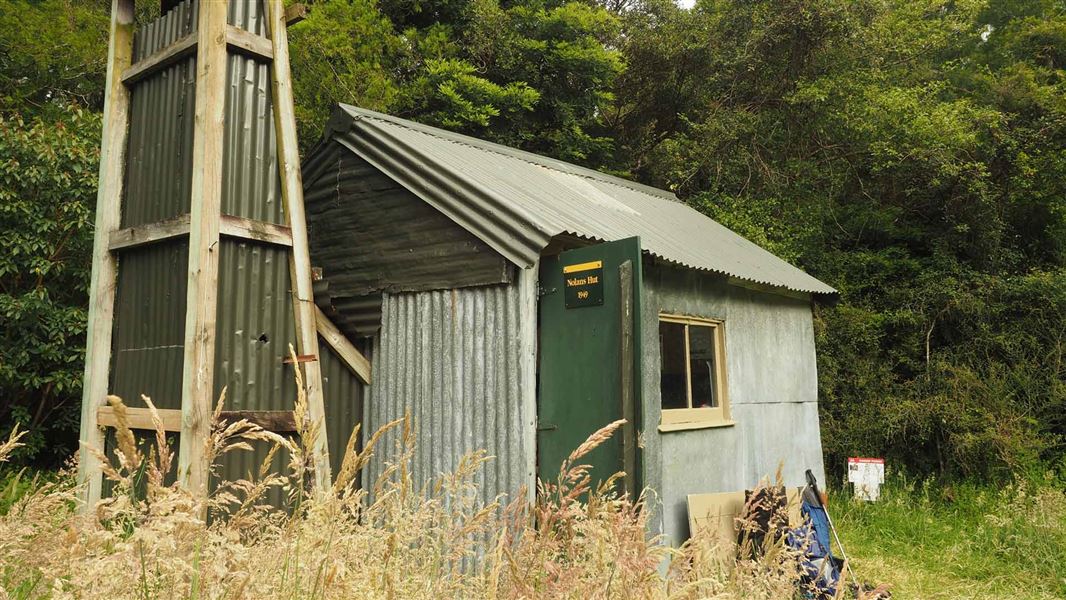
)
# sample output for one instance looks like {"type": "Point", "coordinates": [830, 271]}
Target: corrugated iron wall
{"type": "Point", "coordinates": [459, 362]}
{"type": "Point", "coordinates": [250, 180]}
{"type": "Point", "coordinates": [255, 323]}
{"type": "Point", "coordinates": [162, 107]}
{"type": "Point", "coordinates": [255, 327]}
{"type": "Point", "coordinates": [343, 393]}
{"type": "Point", "coordinates": [149, 334]}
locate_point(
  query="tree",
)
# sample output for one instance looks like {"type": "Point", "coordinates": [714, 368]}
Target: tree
{"type": "Point", "coordinates": [52, 52]}
{"type": "Point", "coordinates": [531, 73]}
{"type": "Point", "coordinates": [891, 150]}
{"type": "Point", "coordinates": [346, 51]}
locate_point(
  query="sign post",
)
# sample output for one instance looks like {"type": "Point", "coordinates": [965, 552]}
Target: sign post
{"type": "Point", "coordinates": [867, 475]}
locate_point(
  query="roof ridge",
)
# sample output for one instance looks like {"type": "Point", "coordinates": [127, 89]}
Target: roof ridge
{"type": "Point", "coordinates": [514, 153]}
{"type": "Point", "coordinates": [519, 223]}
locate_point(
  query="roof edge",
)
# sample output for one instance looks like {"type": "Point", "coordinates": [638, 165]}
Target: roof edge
{"type": "Point", "coordinates": [354, 113]}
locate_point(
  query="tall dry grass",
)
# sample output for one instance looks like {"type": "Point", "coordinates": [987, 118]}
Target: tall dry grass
{"type": "Point", "coordinates": [148, 540]}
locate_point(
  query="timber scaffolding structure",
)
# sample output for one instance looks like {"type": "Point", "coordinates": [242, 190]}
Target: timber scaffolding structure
{"type": "Point", "coordinates": [179, 200]}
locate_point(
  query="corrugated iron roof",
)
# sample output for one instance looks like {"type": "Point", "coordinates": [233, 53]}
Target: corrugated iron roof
{"type": "Point", "coordinates": [516, 201]}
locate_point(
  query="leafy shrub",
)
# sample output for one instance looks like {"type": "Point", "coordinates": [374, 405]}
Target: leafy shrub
{"type": "Point", "coordinates": [48, 172]}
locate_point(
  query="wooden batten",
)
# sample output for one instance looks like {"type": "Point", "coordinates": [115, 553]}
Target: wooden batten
{"type": "Point", "coordinates": [104, 266]}
{"type": "Point", "coordinates": [348, 353]}
{"type": "Point", "coordinates": [237, 39]}
{"type": "Point", "coordinates": [246, 42]}
{"type": "Point", "coordinates": [299, 258]}
{"type": "Point", "coordinates": [295, 13]}
{"type": "Point", "coordinates": [206, 215]}
{"type": "Point", "coordinates": [277, 421]}
{"type": "Point", "coordinates": [141, 235]}
{"type": "Point", "coordinates": [141, 418]}
{"type": "Point", "coordinates": [230, 226]}
{"type": "Point", "coordinates": [160, 60]}
{"type": "Point", "coordinates": [259, 231]}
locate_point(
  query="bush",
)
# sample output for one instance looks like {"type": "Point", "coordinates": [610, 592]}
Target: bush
{"type": "Point", "coordinates": [48, 172]}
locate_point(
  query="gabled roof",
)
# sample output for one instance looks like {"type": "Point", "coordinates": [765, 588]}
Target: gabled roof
{"type": "Point", "coordinates": [516, 201]}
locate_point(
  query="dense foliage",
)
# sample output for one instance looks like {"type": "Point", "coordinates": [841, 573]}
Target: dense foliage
{"type": "Point", "coordinates": [912, 153]}
{"type": "Point", "coordinates": [47, 194]}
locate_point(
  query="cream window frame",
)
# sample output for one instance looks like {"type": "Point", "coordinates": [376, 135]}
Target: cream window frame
{"type": "Point", "coordinates": [678, 419]}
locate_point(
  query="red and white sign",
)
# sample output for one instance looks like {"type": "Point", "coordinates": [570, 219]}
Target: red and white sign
{"type": "Point", "coordinates": [867, 475]}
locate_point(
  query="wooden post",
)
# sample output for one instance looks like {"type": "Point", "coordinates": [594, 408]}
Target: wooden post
{"type": "Point", "coordinates": [197, 394]}
{"type": "Point", "coordinates": [104, 269]}
{"type": "Point", "coordinates": [629, 430]}
{"type": "Point", "coordinates": [299, 259]}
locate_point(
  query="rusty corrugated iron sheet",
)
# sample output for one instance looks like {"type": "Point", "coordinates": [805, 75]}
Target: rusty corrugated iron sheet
{"type": "Point", "coordinates": [516, 201]}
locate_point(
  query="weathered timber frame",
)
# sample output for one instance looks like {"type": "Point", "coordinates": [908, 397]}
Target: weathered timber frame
{"type": "Point", "coordinates": [197, 393]}
{"type": "Point", "coordinates": [203, 226]}
{"type": "Point", "coordinates": [303, 300]}
{"type": "Point", "coordinates": [105, 267]}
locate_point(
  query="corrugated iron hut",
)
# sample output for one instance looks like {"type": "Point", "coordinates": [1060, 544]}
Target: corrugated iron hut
{"type": "Point", "coordinates": [517, 303]}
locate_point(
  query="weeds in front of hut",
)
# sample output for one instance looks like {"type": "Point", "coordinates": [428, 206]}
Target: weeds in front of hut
{"type": "Point", "coordinates": [392, 540]}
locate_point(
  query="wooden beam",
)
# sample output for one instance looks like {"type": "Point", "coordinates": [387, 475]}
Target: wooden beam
{"type": "Point", "coordinates": [528, 296]}
{"type": "Point", "coordinates": [246, 42]}
{"type": "Point", "coordinates": [259, 231]}
{"type": "Point", "coordinates": [299, 258]}
{"type": "Point", "coordinates": [347, 352]}
{"type": "Point", "coordinates": [627, 371]}
{"type": "Point", "coordinates": [295, 13]}
{"type": "Point", "coordinates": [160, 59]}
{"type": "Point", "coordinates": [104, 265]}
{"type": "Point", "coordinates": [206, 215]}
{"type": "Point", "coordinates": [230, 226]}
{"type": "Point", "coordinates": [148, 234]}
{"type": "Point", "coordinates": [140, 418]}
{"type": "Point", "coordinates": [278, 421]}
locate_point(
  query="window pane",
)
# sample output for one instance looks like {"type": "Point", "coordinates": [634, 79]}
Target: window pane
{"type": "Point", "coordinates": [701, 351]}
{"type": "Point", "coordinates": [672, 355]}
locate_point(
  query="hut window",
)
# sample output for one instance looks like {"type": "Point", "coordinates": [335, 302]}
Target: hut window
{"type": "Point", "coordinates": [692, 373]}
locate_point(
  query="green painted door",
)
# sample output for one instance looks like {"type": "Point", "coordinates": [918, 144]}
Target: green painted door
{"type": "Point", "coordinates": [589, 376]}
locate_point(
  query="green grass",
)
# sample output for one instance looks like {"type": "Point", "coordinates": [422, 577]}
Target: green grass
{"type": "Point", "coordinates": [14, 482]}
{"type": "Point", "coordinates": [928, 540]}
{"type": "Point", "coordinates": [959, 541]}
